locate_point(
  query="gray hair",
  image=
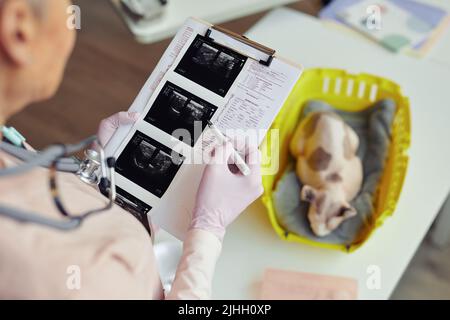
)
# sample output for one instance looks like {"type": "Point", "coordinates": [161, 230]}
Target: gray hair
{"type": "Point", "coordinates": [37, 5]}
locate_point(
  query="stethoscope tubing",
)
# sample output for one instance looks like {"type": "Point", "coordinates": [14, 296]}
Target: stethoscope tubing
{"type": "Point", "coordinates": [54, 156]}
{"type": "Point", "coordinates": [33, 159]}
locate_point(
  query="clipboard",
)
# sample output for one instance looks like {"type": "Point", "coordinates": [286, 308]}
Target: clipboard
{"type": "Point", "coordinates": [214, 31]}
{"type": "Point", "coordinates": [170, 205]}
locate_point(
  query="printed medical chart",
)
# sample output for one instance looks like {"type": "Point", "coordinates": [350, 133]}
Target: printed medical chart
{"type": "Point", "coordinates": [197, 80]}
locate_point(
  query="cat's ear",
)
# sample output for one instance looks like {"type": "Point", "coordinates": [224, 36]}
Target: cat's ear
{"type": "Point", "coordinates": [347, 212]}
{"type": "Point", "coordinates": [308, 193]}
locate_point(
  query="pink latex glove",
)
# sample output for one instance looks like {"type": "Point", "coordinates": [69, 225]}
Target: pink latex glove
{"type": "Point", "coordinates": [109, 125]}
{"type": "Point", "coordinates": [223, 194]}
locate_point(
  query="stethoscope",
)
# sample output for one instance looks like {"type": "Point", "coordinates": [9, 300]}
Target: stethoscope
{"type": "Point", "coordinates": [96, 170]}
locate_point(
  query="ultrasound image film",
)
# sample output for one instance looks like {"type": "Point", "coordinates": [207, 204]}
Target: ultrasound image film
{"type": "Point", "coordinates": [149, 164]}
{"type": "Point", "coordinates": [151, 160]}
{"type": "Point", "coordinates": [176, 108]}
{"type": "Point", "coordinates": [224, 64]}
{"type": "Point", "coordinates": [205, 55]}
{"type": "Point", "coordinates": [133, 205]}
{"type": "Point", "coordinates": [211, 65]}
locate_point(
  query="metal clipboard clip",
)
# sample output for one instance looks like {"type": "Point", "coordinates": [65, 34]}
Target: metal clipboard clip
{"type": "Point", "coordinates": [241, 44]}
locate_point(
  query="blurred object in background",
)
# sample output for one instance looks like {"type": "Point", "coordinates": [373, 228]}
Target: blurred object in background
{"type": "Point", "coordinates": [291, 285]}
{"type": "Point", "coordinates": [412, 27]}
{"type": "Point", "coordinates": [153, 20]}
{"type": "Point", "coordinates": [142, 11]}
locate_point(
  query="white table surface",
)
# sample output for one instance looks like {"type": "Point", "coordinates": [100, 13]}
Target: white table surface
{"type": "Point", "coordinates": [251, 246]}
{"type": "Point", "coordinates": [213, 11]}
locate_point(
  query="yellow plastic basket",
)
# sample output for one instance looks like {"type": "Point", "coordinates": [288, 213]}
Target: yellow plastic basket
{"type": "Point", "coordinates": [350, 93]}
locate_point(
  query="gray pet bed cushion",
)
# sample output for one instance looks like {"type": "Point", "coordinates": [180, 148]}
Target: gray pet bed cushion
{"type": "Point", "coordinates": [373, 126]}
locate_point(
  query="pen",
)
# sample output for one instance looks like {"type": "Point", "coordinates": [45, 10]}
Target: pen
{"type": "Point", "coordinates": [236, 157]}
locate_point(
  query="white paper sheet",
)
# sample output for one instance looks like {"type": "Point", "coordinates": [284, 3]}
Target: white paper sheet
{"type": "Point", "coordinates": [252, 104]}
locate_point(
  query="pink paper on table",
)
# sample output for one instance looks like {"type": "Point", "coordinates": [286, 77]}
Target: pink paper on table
{"type": "Point", "coordinates": [290, 285]}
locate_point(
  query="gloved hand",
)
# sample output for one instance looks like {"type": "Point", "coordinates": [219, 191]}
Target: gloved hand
{"type": "Point", "coordinates": [224, 193]}
{"type": "Point", "coordinates": [109, 125]}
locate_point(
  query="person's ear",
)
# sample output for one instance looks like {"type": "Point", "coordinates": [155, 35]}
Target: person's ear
{"type": "Point", "coordinates": [18, 25]}
{"type": "Point", "coordinates": [308, 193]}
